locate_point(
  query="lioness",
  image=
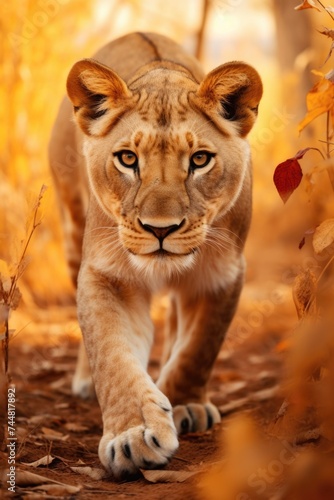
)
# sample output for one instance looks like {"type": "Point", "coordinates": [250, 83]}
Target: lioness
{"type": "Point", "coordinates": [159, 199]}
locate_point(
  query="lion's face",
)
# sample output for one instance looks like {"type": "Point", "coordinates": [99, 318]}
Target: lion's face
{"type": "Point", "coordinates": [164, 164]}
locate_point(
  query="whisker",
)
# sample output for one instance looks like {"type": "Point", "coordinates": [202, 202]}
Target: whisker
{"type": "Point", "coordinates": [104, 228]}
{"type": "Point", "coordinates": [222, 235]}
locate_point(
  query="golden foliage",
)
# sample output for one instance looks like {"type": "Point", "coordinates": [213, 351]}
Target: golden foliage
{"type": "Point", "coordinates": [323, 236]}
{"type": "Point", "coordinates": [320, 100]}
{"type": "Point", "coordinates": [40, 41]}
{"type": "Point", "coordinates": [34, 61]}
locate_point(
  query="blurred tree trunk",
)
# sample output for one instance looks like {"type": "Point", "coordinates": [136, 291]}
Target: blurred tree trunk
{"type": "Point", "coordinates": [294, 38]}
{"type": "Point", "coordinates": [199, 52]}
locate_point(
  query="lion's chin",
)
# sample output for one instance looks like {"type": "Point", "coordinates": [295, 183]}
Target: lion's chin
{"type": "Point", "coordinates": [162, 266]}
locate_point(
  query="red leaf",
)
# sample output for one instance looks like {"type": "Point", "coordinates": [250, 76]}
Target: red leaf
{"type": "Point", "coordinates": [287, 177]}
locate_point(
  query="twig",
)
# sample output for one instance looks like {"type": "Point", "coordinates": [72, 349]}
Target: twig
{"type": "Point", "coordinates": [35, 224]}
{"type": "Point", "coordinates": [282, 411]}
{"type": "Point", "coordinates": [181, 459]}
{"type": "Point", "coordinates": [325, 268]}
{"type": "Point", "coordinates": [323, 6]}
{"type": "Point", "coordinates": [6, 343]}
{"type": "Point", "coordinates": [328, 134]}
{"type": "Point", "coordinates": [8, 297]}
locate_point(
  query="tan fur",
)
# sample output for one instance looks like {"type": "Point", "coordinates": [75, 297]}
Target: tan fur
{"type": "Point", "coordinates": [162, 225]}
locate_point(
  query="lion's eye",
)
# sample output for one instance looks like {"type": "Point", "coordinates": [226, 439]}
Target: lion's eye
{"type": "Point", "coordinates": [200, 159]}
{"type": "Point", "coordinates": [127, 158]}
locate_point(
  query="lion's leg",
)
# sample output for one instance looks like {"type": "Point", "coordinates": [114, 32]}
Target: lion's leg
{"type": "Point", "coordinates": [202, 325]}
{"type": "Point", "coordinates": [82, 383]}
{"type": "Point", "coordinates": [138, 427]}
{"type": "Point", "coordinates": [170, 331]}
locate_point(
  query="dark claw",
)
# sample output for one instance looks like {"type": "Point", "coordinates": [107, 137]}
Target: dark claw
{"type": "Point", "coordinates": [113, 453]}
{"type": "Point", "coordinates": [210, 419]}
{"type": "Point", "coordinates": [148, 464]}
{"type": "Point", "coordinates": [127, 450]}
{"type": "Point", "coordinates": [156, 442]}
{"type": "Point", "coordinates": [185, 425]}
{"type": "Point", "coordinates": [128, 476]}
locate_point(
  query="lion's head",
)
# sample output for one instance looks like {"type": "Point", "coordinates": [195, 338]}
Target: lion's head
{"type": "Point", "coordinates": [166, 155]}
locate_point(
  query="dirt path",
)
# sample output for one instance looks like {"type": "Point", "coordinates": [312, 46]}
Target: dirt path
{"type": "Point", "coordinates": [50, 421]}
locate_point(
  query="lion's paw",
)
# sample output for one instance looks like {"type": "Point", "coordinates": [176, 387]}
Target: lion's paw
{"type": "Point", "coordinates": [147, 446]}
{"type": "Point", "coordinates": [195, 417]}
{"type": "Point", "coordinates": [83, 387]}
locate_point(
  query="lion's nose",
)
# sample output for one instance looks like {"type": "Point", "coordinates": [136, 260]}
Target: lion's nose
{"type": "Point", "coordinates": [161, 232]}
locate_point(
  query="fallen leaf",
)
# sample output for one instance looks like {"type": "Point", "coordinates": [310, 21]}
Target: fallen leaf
{"type": "Point", "coordinates": [53, 435]}
{"type": "Point", "coordinates": [262, 395]}
{"type": "Point", "coordinates": [167, 476]}
{"type": "Point", "coordinates": [21, 432]}
{"type": "Point", "coordinates": [60, 384]}
{"type": "Point", "coordinates": [233, 405]}
{"type": "Point", "coordinates": [47, 460]}
{"type": "Point", "coordinates": [323, 236]}
{"type": "Point", "coordinates": [234, 386]}
{"type": "Point", "coordinates": [25, 478]}
{"type": "Point", "coordinates": [265, 375]}
{"type": "Point", "coordinates": [307, 4]}
{"type": "Point", "coordinates": [62, 406]}
{"type": "Point", "coordinates": [57, 489]}
{"type": "Point", "coordinates": [92, 472]}
{"type": "Point", "coordinates": [73, 427]}
{"type": "Point", "coordinates": [51, 432]}
{"type": "Point", "coordinates": [266, 394]}
{"type": "Point", "coordinates": [256, 359]}
{"type": "Point", "coordinates": [38, 419]}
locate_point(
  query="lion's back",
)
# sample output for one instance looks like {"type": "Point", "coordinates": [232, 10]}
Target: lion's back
{"type": "Point", "coordinates": [130, 53]}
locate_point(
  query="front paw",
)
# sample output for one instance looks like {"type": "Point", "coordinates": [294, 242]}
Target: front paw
{"type": "Point", "coordinates": [83, 386]}
{"type": "Point", "coordinates": [146, 446]}
{"type": "Point", "coordinates": [195, 417]}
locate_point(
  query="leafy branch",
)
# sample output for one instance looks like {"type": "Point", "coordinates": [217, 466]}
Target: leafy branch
{"type": "Point", "coordinates": [319, 102]}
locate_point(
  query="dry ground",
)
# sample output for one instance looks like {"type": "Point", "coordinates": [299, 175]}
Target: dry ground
{"type": "Point", "coordinates": [50, 421]}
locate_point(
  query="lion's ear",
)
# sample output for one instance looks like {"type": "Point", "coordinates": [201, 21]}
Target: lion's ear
{"type": "Point", "coordinates": [233, 91]}
{"type": "Point", "coordinates": [98, 94]}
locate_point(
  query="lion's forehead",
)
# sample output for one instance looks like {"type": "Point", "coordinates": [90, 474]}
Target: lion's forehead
{"type": "Point", "coordinates": [152, 141]}
{"type": "Point", "coordinates": [164, 107]}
